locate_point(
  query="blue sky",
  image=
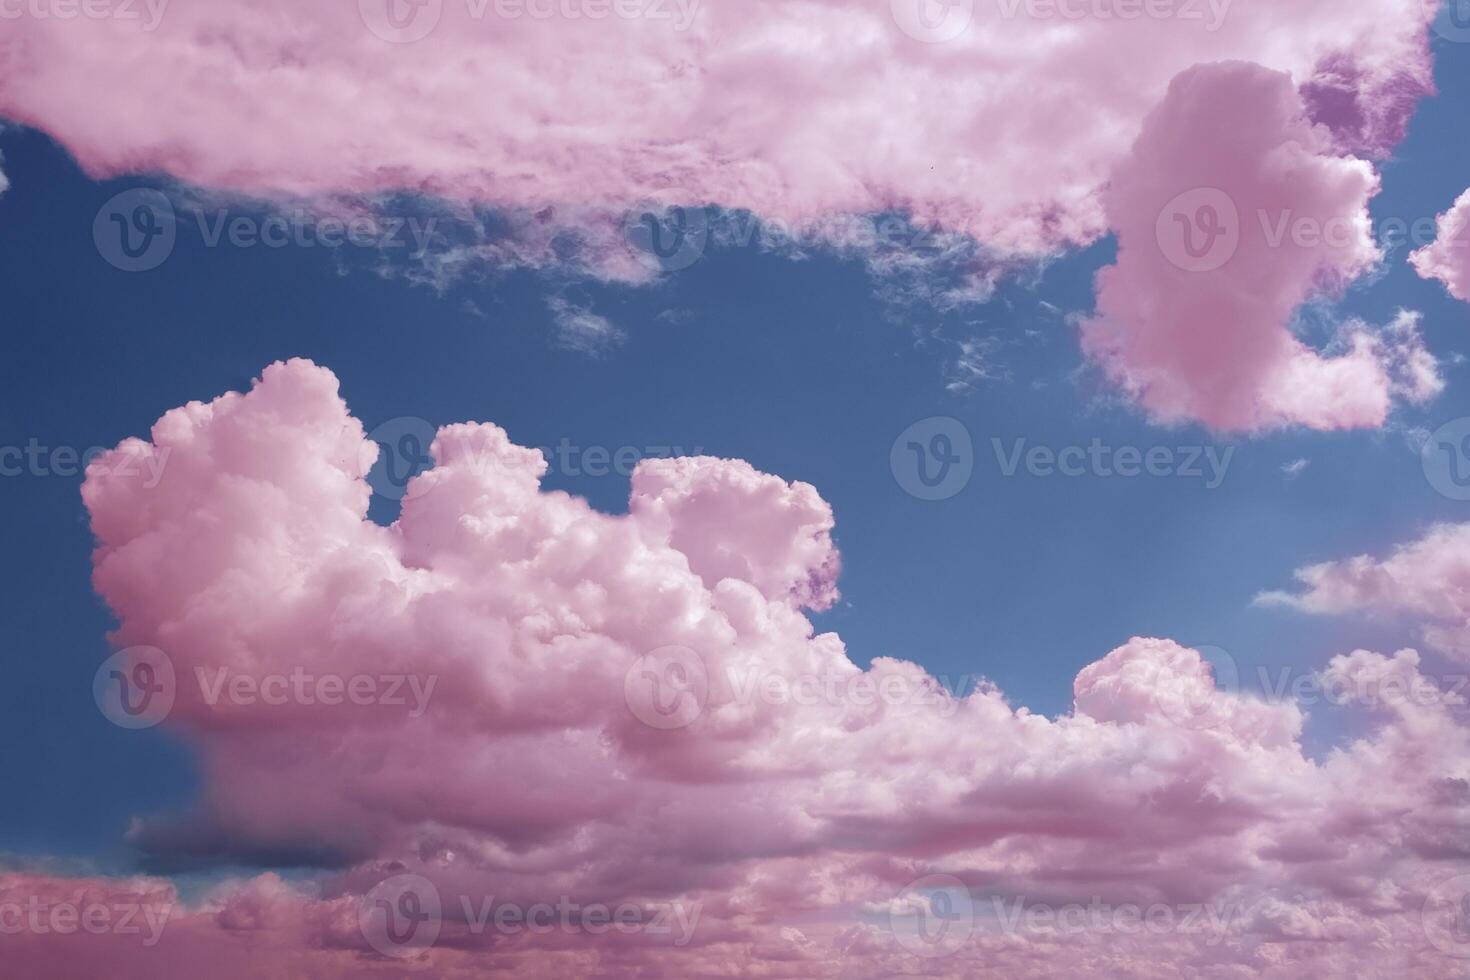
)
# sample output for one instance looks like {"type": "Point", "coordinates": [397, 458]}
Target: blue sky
{"type": "Point", "coordinates": [792, 365]}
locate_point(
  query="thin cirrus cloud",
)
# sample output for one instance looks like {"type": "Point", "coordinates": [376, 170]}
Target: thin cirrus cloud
{"type": "Point", "coordinates": [790, 831]}
{"type": "Point", "coordinates": [1031, 131]}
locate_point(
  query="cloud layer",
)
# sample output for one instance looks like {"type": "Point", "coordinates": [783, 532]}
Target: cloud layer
{"type": "Point", "coordinates": [635, 710]}
{"type": "Point", "coordinates": [1030, 127]}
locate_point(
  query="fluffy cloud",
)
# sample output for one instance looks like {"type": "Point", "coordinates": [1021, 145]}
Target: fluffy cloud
{"type": "Point", "coordinates": [1017, 125]}
{"type": "Point", "coordinates": [1427, 580]}
{"type": "Point", "coordinates": [1448, 258]}
{"type": "Point", "coordinates": [1232, 211]}
{"type": "Point", "coordinates": [635, 710]}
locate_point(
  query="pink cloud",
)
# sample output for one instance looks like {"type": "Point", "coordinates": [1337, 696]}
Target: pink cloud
{"type": "Point", "coordinates": [1427, 579]}
{"type": "Point", "coordinates": [1448, 257]}
{"type": "Point", "coordinates": [1233, 210]}
{"type": "Point", "coordinates": [1021, 125]}
{"type": "Point", "coordinates": [636, 710]}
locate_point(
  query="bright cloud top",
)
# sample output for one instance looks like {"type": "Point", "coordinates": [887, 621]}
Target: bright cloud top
{"type": "Point", "coordinates": [636, 709]}
{"type": "Point", "coordinates": [1030, 126]}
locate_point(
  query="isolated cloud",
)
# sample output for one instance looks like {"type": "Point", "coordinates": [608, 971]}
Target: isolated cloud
{"type": "Point", "coordinates": [636, 709]}
{"type": "Point", "coordinates": [1448, 257]}
{"type": "Point", "coordinates": [1427, 579]}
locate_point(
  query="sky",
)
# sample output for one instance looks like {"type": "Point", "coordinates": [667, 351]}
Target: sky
{"type": "Point", "coordinates": [818, 364]}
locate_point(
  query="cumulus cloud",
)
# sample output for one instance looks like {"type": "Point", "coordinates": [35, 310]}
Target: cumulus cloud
{"type": "Point", "coordinates": [637, 709]}
{"type": "Point", "coordinates": [1448, 257]}
{"type": "Point", "coordinates": [1233, 210]}
{"type": "Point", "coordinates": [1427, 579]}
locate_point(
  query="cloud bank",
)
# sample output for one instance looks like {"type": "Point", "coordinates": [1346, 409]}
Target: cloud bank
{"type": "Point", "coordinates": [1029, 127]}
{"type": "Point", "coordinates": [1448, 257]}
{"type": "Point", "coordinates": [635, 710]}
